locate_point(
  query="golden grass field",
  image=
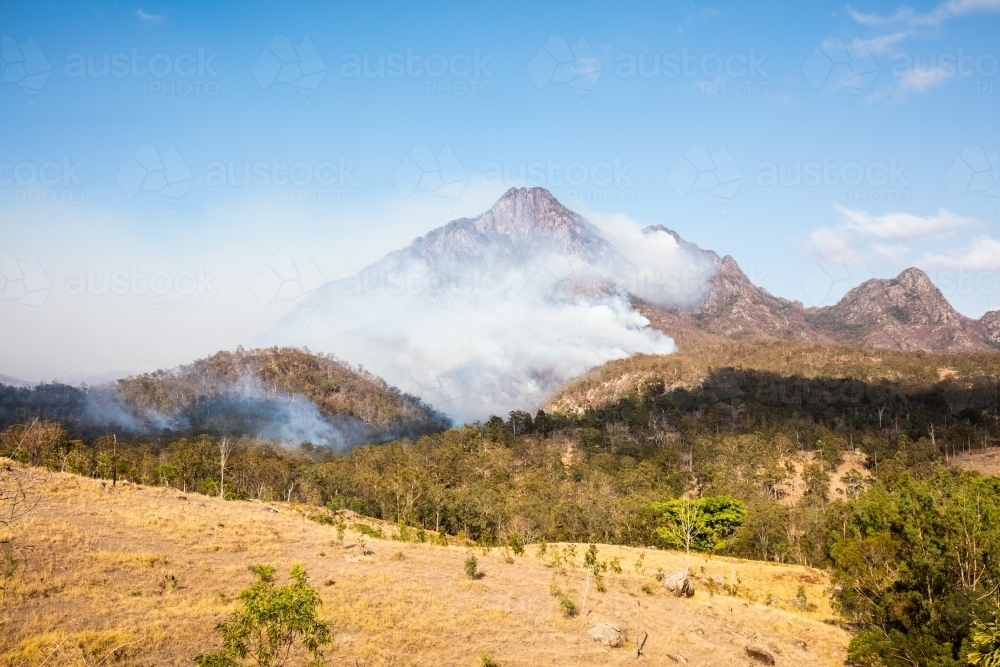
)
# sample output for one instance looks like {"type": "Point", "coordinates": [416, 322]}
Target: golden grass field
{"type": "Point", "coordinates": [140, 576]}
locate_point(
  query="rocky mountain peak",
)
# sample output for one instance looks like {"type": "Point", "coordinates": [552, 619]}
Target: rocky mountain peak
{"type": "Point", "coordinates": [907, 312]}
{"type": "Point", "coordinates": [526, 211]}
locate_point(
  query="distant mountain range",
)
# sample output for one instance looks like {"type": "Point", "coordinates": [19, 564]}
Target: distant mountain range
{"type": "Point", "coordinates": [903, 313]}
{"type": "Point", "coordinates": [495, 312]}
{"type": "Point", "coordinates": [491, 314]}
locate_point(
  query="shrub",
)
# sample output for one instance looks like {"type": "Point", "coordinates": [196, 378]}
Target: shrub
{"type": "Point", "coordinates": [472, 567]}
{"type": "Point", "coordinates": [269, 620]}
{"type": "Point", "coordinates": [487, 661]}
{"type": "Point", "coordinates": [365, 529]}
{"type": "Point", "coordinates": [568, 607]}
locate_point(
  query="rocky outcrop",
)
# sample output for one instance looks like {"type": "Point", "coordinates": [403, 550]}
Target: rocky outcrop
{"type": "Point", "coordinates": [607, 634]}
{"type": "Point", "coordinates": [904, 313]}
{"type": "Point", "coordinates": [991, 327]}
{"type": "Point", "coordinates": [679, 583]}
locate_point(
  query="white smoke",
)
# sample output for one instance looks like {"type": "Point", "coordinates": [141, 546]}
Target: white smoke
{"type": "Point", "coordinates": [241, 408]}
{"type": "Point", "coordinates": [473, 342]}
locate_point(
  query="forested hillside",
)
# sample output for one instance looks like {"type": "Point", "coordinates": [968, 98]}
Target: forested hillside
{"type": "Point", "coordinates": [754, 430]}
{"type": "Point", "coordinates": [282, 394]}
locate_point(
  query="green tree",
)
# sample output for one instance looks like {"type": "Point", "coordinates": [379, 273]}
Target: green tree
{"type": "Point", "coordinates": [264, 628]}
{"type": "Point", "coordinates": [985, 640]}
{"type": "Point", "coordinates": [916, 565]}
{"type": "Point", "coordinates": [701, 524]}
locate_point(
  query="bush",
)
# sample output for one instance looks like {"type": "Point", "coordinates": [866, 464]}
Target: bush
{"type": "Point", "coordinates": [487, 661]}
{"type": "Point", "coordinates": [568, 607]}
{"type": "Point", "coordinates": [365, 529]}
{"type": "Point", "coordinates": [472, 567]}
{"type": "Point", "coordinates": [268, 621]}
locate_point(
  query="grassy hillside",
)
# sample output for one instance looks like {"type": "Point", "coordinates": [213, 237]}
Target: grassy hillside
{"type": "Point", "coordinates": [135, 575]}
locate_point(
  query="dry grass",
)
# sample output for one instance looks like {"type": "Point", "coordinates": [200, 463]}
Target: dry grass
{"type": "Point", "coordinates": [140, 576]}
{"type": "Point", "coordinates": [985, 462]}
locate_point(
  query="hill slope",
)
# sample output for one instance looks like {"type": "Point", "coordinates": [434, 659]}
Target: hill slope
{"type": "Point", "coordinates": [701, 357]}
{"type": "Point", "coordinates": [146, 573]}
{"type": "Point", "coordinates": [286, 394]}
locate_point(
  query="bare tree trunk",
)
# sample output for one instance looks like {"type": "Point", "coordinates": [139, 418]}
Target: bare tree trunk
{"type": "Point", "coordinates": [225, 449]}
{"type": "Point", "coordinates": [114, 461]}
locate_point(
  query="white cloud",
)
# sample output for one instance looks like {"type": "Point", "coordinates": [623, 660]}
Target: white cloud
{"type": "Point", "coordinates": [920, 79]}
{"type": "Point", "coordinates": [887, 43]}
{"type": "Point", "coordinates": [896, 225]}
{"type": "Point", "coordinates": [935, 17]}
{"type": "Point", "coordinates": [982, 254]}
{"type": "Point", "coordinates": [149, 18]}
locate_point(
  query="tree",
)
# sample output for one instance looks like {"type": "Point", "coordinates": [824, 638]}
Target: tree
{"type": "Point", "coordinates": [17, 499]}
{"type": "Point", "coordinates": [269, 620]}
{"type": "Point", "coordinates": [702, 524]}
{"type": "Point", "coordinates": [225, 449]}
{"type": "Point", "coordinates": [985, 638]}
{"type": "Point", "coordinates": [915, 566]}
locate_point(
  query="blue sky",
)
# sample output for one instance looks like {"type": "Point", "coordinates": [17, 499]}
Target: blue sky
{"type": "Point", "coordinates": [820, 144]}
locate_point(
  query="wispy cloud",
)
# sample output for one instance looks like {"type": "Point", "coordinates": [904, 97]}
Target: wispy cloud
{"type": "Point", "coordinates": [909, 17]}
{"type": "Point", "coordinates": [149, 18]}
{"type": "Point", "coordinates": [920, 79]}
{"type": "Point", "coordinates": [899, 226]}
{"type": "Point", "coordinates": [982, 254]}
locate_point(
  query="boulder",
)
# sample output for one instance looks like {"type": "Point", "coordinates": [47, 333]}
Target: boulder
{"type": "Point", "coordinates": [759, 654]}
{"type": "Point", "coordinates": [607, 634]}
{"type": "Point", "coordinates": [679, 583]}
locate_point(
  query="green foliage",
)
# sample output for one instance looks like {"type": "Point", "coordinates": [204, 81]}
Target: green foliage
{"type": "Point", "coordinates": [568, 607]}
{"type": "Point", "coordinates": [486, 661]}
{"type": "Point", "coordinates": [472, 567]}
{"type": "Point", "coordinates": [915, 564]}
{"type": "Point", "coordinates": [985, 643]}
{"type": "Point", "coordinates": [269, 621]}
{"type": "Point", "coordinates": [701, 524]}
{"type": "Point", "coordinates": [365, 529]}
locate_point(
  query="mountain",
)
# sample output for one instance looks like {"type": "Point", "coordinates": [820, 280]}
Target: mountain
{"type": "Point", "coordinates": [903, 313]}
{"type": "Point", "coordinates": [493, 313]}
{"type": "Point", "coordinates": [490, 314]}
